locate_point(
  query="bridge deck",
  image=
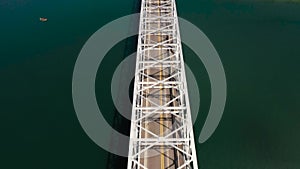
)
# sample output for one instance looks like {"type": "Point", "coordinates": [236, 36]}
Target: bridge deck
{"type": "Point", "coordinates": [161, 129]}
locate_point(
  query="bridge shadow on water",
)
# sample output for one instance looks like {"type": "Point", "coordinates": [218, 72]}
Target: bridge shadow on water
{"type": "Point", "coordinates": [120, 123]}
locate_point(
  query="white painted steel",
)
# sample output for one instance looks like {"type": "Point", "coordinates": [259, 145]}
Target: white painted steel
{"type": "Point", "coordinates": [161, 126]}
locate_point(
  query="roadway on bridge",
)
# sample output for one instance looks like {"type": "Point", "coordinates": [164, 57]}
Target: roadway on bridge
{"type": "Point", "coordinates": [163, 122]}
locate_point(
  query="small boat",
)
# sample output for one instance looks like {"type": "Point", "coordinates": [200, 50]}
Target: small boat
{"type": "Point", "coordinates": [43, 19]}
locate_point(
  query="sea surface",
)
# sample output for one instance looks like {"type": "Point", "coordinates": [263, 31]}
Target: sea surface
{"type": "Point", "coordinates": [258, 43]}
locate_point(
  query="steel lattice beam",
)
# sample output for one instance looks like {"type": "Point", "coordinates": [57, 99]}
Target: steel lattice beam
{"type": "Point", "coordinates": [161, 134]}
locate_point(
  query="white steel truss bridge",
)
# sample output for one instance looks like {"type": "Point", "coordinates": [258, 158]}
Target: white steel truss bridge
{"type": "Point", "coordinates": [161, 134]}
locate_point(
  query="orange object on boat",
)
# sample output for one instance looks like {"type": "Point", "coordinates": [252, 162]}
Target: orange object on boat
{"type": "Point", "coordinates": [43, 19]}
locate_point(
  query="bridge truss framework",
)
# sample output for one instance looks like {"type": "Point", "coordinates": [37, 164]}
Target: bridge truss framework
{"type": "Point", "coordinates": [161, 134]}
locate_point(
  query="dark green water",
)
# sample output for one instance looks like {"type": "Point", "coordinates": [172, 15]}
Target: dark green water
{"type": "Point", "coordinates": [258, 43]}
